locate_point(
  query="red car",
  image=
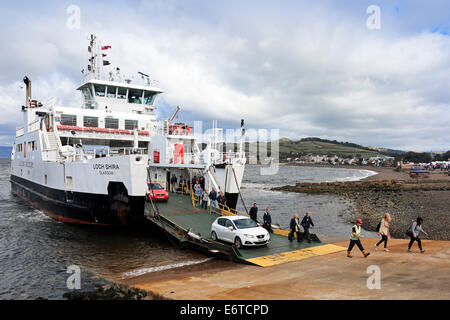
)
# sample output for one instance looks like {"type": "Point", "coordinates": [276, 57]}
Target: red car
{"type": "Point", "coordinates": [156, 192]}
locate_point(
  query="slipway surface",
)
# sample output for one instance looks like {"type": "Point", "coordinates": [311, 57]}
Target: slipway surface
{"type": "Point", "coordinates": [179, 217]}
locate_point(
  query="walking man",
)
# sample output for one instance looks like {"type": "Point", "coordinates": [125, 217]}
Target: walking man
{"type": "Point", "coordinates": [416, 229]}
{"type": "Point", "coordinates": [222, 201]}
{"type": "Point", "coordinates": [213, 197]}
{"type": "Point", "coordinates": [267, 218]}
{"type": "Point", "coordinates": [173, 183]}
{"type": "Point", "coordinates": [254, 213]}
{"type": "Point", "coordinates": [295, 228]}
{"type": "Point", "coordinates": [355, 238]}
{"type": "Point", "coordinates": [306, 224]}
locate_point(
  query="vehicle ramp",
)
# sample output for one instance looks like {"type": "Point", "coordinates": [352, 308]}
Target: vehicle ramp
{"type": "Point", "coordinates": [183, 219]}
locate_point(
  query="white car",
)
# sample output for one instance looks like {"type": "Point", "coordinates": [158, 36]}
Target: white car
{"type": "Point", "coordinates": [241, 231]}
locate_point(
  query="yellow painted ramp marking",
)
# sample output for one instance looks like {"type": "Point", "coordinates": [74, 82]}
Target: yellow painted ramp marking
{"type": "Point", "coordinates": [281, 232]}
{"type": "Point", "coordinates": [297, 255]}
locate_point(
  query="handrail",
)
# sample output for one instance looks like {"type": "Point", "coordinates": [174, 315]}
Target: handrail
{"type": "Point", "coordinates": [20, 132]}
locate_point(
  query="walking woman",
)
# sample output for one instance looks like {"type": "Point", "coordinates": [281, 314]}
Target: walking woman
{"type": "Point", "coordinates": [384, 231]}
{"type": "Point", "coordinates": [355, 238]}
{"type": "Point", "coordinates": [416, 229]}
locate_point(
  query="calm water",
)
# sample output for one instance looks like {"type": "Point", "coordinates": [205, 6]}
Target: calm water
{"type": "Point", "coordinates": [35, 250]}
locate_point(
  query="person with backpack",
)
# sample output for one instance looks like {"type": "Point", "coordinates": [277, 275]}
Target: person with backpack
{"type": "Point", "coordinates": [355, 238]}
{"type": "Point", "coordinates": [414, 234]}
{"type": "Point", "coordinates": [383, 230]}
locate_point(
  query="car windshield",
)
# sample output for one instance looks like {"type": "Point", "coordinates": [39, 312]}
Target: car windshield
{"type": "Point", "coordinates": [154, 186]}
{"type": "Point", "coordinates": [245, 223]}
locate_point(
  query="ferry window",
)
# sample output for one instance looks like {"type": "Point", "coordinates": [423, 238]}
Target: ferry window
{"type": "Point", "coordinates": [111, 123]}
{"type": "Point", "coordinates": [111, 92]}
{"type": "Point", "coordinates": [122, 93]}
{"type": "Point", "coordinates": [31, 145]}
{"type": "Point", "coordinates": [131, 124]}
{"type": "Point", "coordinates": [68, 120]}
{"type": "Point", "coordinates": [90, 91]}
{"type": "Point", "coordinates": [149, 97]}
{"type": "Point", "coordinates": [135, 96]}
{"type": "Point", "coordinates": [99, 90]}
{"type": "Point", "coordinates": [91, 122]}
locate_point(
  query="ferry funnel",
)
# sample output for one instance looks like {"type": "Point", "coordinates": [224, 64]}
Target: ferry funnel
{"type": "Point", "coordinates": [28, 93]}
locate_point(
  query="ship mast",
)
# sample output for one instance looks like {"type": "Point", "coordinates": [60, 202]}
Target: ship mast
{"type": "Point", "coordinates": [96, 60]}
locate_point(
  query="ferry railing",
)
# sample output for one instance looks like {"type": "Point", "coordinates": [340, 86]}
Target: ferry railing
{"type": "Point", "coordinates": [184, 190]}
{"type": "Point", "coordinates": [184, 158]}
{"type": "Point", "coordinates": [106, 76]}
{"type": "Point", "coordinates": [220, 209]}
{"type": "Point", "coordinates": [50, 155]}
{"type": "Point", "coordinates": [34, 126]}
{"type": "Point", "coordinates": [104, 135]}
{"type": "Point", "coordinates": [127, 151]}
{"type": "Point", "coordinates": [20, 132]}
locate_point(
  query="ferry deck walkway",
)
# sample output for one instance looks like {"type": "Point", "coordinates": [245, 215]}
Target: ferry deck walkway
{"type": "Point", "coordinates": [192, 225]}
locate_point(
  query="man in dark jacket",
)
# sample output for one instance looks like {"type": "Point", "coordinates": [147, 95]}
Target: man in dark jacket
{"type": "Point", "coordinates": [201, 180]}
{"type": "Point", "coordinates": [306, 224]}
{"type": "Point", "coordinates": [173, 183]}
{"type": "Point", "coordinates": [213, 197]}
{"type": "Point", "coordinates": [254, 213]}
{"type": "Point", "coordinates": [222, 201]}
{"type": "Point", "coordinates": [295, 228]}
{"type": "Point", "coordinates": [267, 218]}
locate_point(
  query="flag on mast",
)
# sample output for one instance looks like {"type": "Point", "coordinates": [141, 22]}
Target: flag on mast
{"type": "Point", "coordinates": [106, 47]}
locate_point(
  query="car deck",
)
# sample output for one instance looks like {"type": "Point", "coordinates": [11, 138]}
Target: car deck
{"type": "Point", "coordinates": [192, 225]}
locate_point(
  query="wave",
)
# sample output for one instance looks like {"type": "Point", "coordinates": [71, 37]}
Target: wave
{"type": "Point", "coordinates": [362, 175]}
{"type": "Point", "coordinates": [139, 272]}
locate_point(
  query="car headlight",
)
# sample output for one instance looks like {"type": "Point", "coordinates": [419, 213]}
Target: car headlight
{"type": "Point", "coordinates": [249, 235]}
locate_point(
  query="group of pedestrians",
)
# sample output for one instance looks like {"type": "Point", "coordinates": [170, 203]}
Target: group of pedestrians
{"type": "Point", "coordinates": [178, 184]}
{"type": "Point", "coordinates": [217, 200]}
{"type": "Point", "coordinates": [355, 237]}
{"type": "Point", "coordinates": [383, 231]}
{"type": "Point", "coordinates": [295, 225]}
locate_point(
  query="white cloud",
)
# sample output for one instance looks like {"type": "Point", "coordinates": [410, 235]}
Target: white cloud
{"type": "Point", "coordinates": [327, 77]}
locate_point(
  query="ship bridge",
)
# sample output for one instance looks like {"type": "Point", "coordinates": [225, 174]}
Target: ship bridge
{"type": "Point", "coordinates": [112, 95]}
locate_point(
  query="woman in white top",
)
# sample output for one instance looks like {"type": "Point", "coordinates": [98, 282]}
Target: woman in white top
{"type": "Point", "coordinates": [416, 229]}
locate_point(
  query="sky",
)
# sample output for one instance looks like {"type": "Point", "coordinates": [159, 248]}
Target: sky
{"type": "Point", "coordinates": [307, 68]}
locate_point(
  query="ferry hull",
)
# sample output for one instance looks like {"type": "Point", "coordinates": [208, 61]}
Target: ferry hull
{"type": "Point", "coordinates": [80, 208]}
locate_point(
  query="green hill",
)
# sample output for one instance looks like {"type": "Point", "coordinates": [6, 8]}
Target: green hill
{"type": "Point", "coordinates": [325, 147]}
{"type": "Point", "coordinates": [317, 146]}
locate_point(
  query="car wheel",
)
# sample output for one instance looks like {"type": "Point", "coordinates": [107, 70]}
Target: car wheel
{"type": "Point", "coordinates": [238, 242]}
{"type": "Point", "coordinates": [214, 236]}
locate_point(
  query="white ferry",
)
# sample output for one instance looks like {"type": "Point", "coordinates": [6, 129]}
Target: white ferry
{"type": "Point", "coordinates": [91, 164]}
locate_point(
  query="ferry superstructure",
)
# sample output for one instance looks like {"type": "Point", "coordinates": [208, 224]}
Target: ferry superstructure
{"type": "Point", "coordinates": [90, 164]}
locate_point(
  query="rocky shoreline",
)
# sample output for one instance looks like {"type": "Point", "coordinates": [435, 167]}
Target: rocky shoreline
{"type": "Point", "coordinates": [113, 291]}
{"type": "Point", "coordinates": [405, 200]}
